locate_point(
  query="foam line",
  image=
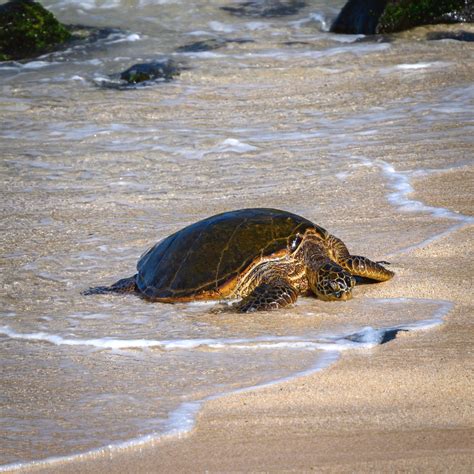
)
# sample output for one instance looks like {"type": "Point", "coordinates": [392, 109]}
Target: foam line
{"type": "Point", "coordinates": [402, 188]}
{"type": "Point", "coordinates": [400, 182]}
{"type": "Point", "coordinates": [113, 343]}
{"type": "Point", "coordinates": [276, 342]}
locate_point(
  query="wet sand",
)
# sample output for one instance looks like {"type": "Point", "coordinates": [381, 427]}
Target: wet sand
{"type": "Point", "coordinates": [404, 406]}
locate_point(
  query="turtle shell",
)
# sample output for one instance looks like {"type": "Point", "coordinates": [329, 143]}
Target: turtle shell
{"type": "Point", "coordinates": [207, 255]}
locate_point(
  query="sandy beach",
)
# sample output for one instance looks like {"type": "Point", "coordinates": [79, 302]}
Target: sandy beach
{"type": "Point", "coordinates": [403, 406]}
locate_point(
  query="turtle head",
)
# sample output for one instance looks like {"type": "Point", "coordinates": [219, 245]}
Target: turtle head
{"type": "Point", "coordinates": [333, 283]}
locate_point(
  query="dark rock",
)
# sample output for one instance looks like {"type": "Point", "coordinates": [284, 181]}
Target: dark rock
{"type": "Point", "coordinates": [142, 75]}
{"type": "Point", "coordinates": [387, 16]}
{"type": "Point", "coordinates": [266, 8]}
{"type": "Point", "coordinates": [359, 17]}
{"type": "Point", "coordinates": [28, 30]}
{"type": "Point", "coordinates": [164, 70]}
{"type": "Point", "coordinates": [454, 35]}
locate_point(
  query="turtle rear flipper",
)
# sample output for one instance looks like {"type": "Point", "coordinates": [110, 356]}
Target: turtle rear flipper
{"type": "Point", "coordinates": [125, 285]}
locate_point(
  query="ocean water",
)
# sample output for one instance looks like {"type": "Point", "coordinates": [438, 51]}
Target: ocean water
{"type": "Point", "coordinates": [286, 115]}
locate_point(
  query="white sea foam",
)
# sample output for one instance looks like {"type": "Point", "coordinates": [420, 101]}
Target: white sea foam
{"type": "Point", "coordinates": [78, 78]}
{"type": "Point", "coordinates": [401, 184]}
{"type": "Point", "coordinates": [267, 342]}
{"type": "Point", "coordinates": [256, 25]}
{"type": "Point", "coordinates": [109, 342]}
{"type": "Point", "coordinates": [221, 27]}
{"type": "Point", "coordinates": [421, 65]}
{"type": "Point", "coordinates": [129, 38]}
{"type": "Point", "coordinates": [340, 38]}
{"type": "Point", "coordinates": [203, 54]}
{"type": "Point", "coordinates": [414, 68]}
{"type": "Point", "coordinates": [33, 65]}
{"type": "Point", "coordinates": [236, 146]}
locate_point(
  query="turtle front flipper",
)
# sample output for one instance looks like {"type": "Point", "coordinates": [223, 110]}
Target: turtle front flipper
{"type": "Point", "coordinates": [356, 265]}
{"type": "Point", "coordinates": [267, 295]}
{"type": "Point", "coordinates": [363, 267]}
{"type": "Point", "coordinates": [125, 285]}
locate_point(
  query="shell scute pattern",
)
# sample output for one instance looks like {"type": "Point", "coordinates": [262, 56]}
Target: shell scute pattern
{"type": "Point", "coordinates": [214, 252]}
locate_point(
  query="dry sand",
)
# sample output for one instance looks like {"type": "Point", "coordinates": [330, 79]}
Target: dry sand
{"type": "Point", "coordinates": [405, 406]}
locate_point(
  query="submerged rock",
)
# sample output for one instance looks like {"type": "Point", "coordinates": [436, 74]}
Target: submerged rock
{"type": "Point", "coordinates": [153, 71]}
{"type": "Point", "coordinates": [27, 29]}
{"type": "Point", "coordinates": [359, 17]}
{"type": "Point", "coordinates": [143, 74]}
{"type": "Point", "coordinates": [453, 35]}
{"type": "Point", "coordinates": [266, 8]}
{"type": "Point", "coordinates": [388, 16]}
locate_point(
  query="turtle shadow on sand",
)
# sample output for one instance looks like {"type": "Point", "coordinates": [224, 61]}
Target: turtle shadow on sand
{"type": "Point", "coordinates": [264, 257]}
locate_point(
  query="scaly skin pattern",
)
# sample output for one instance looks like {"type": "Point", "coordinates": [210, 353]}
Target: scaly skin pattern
{"type": "Point", "coordinates": [323, 265]}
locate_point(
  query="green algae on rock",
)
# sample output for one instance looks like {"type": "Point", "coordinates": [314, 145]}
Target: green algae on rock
{"type": "Point", "coordinates": [402, 15]}
{"type": "Point", "coordinates": [27, 29]}
{"type": "Point", "coordinates": [370, 17]}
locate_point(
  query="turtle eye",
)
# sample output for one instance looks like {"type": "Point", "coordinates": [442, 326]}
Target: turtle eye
{"type": "Point", "coordinates": [296, 242]}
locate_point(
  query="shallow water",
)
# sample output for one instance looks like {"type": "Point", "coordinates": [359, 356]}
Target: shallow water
{"type": "Point", "coordinates": [295, 118]}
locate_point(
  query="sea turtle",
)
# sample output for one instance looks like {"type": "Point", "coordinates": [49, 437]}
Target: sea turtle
{"type": "Point", "coordinates": [265, 257]}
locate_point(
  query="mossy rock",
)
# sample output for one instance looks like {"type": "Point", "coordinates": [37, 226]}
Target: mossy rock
{"type": "Point", "coordinates": [388, 16]}
{"type": "Point", "coordinates": [27, 30]}
{"type": "Point", "coordinates": [402, 15]}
